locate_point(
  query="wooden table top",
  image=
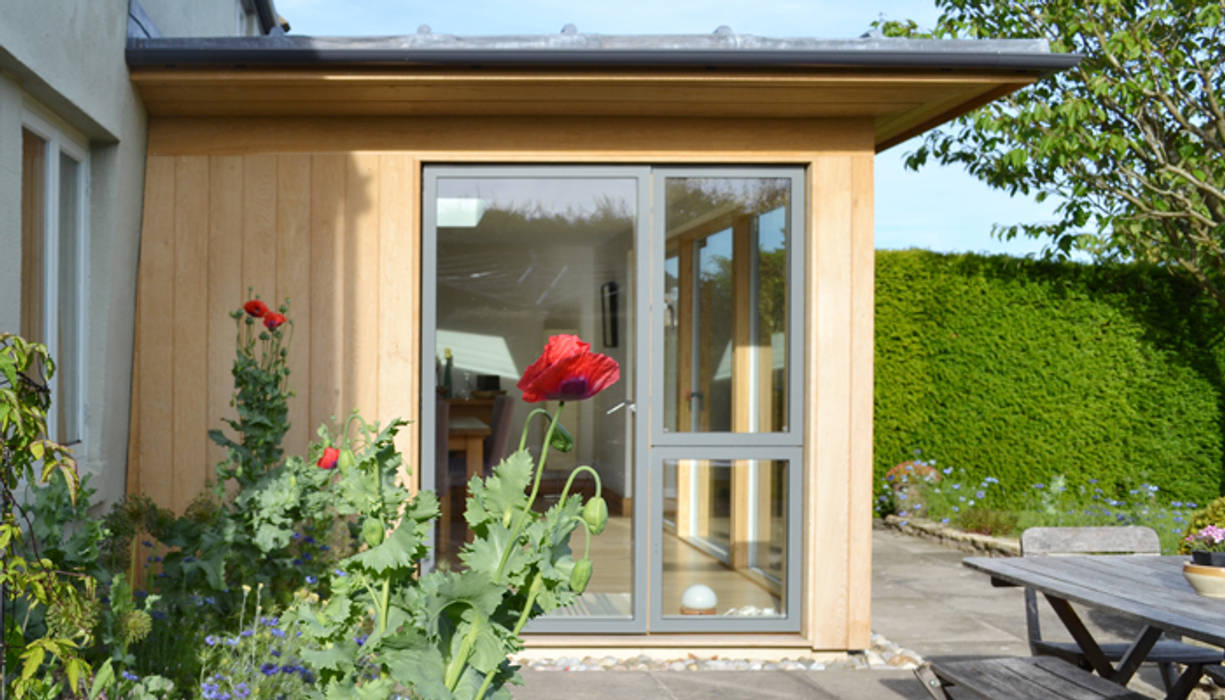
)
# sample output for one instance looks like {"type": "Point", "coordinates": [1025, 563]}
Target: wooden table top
{"type": "Point", "coordinates": [1147, 588]}
{"type": "Point", "coordinates": [467, 425]}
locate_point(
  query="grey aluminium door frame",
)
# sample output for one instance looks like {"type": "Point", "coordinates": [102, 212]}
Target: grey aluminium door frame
{"type": "Point", "coordinates": [637, 623]}
{"type": "Point", "coordinates": [651, 444]}
{"type": "Point", "coordinates": [784, 445]}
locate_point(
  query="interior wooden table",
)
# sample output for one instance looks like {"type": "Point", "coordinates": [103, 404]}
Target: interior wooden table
{"type": "Point", "coordinates": [467, 434]}
{"type": "Point", "coordinates": [1148, 589]}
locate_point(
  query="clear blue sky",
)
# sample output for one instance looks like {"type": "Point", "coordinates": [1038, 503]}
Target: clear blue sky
{"type": "Point", "coordinates": [937, 208]}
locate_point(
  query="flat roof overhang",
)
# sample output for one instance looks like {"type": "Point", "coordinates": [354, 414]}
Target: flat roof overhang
{"type": "Point", "coordinates": [904, 86]}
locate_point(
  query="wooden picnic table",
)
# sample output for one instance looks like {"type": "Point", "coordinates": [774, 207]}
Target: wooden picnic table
{"type": "Point", "coordinates": [1148, 589]}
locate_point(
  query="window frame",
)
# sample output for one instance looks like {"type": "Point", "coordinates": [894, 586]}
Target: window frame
{"type": "Point", "coordinates": [61, 140]}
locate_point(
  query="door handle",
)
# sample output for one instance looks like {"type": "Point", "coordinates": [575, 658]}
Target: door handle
{"type": "Point", "coordinates": [627, 405]}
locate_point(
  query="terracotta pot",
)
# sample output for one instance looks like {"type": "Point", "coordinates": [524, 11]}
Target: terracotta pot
{"type": "Point", "coordinates": [1207, 581]}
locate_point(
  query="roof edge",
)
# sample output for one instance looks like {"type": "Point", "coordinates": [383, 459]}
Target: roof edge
{"type": "Point", "coordinates": [599, 51]}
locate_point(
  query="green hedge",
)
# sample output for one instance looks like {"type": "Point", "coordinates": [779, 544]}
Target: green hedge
{"type": "Point", "coordinates": [1024, 370]}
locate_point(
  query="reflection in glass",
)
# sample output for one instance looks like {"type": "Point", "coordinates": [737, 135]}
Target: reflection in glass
{"type": "Point", "coordinates": [69, 317]}
{"type": "Point", "coordinates": [725, 290]}
{"type": "Point", "coordinates": [725, 527]}
{"type": "Point", "coordinates": [520, 259]}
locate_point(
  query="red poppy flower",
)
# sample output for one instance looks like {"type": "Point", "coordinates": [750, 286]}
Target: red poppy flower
{"type": "Point", "coordinates": [567, 370]}
{"type": "Point", "coordinates": [273, 319]}
{"type": "Point", "coordinates": [255, 308]}
{"type": "Point", "coordinates": [329, 458]}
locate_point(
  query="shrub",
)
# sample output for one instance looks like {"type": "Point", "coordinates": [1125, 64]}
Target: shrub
{"type": "Point", "coordinates": [1024, 370]}
{"type": "Point", "coordinates": [1211, 514]}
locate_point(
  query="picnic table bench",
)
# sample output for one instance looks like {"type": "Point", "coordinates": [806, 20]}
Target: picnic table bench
{"type": "Point", "coordinates": [1019, 678]}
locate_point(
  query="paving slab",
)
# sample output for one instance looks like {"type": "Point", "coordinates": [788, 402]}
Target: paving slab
{"type": "Point", "coordinates": [923, 600]}
{"type": "Point", "coordinates": [719, 685]}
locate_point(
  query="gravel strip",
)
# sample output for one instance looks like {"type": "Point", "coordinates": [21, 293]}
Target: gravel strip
{"type": "Point", "coordinates": [882, 654]}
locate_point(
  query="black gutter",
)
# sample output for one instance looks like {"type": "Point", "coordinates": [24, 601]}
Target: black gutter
{"type": "Point", "coordinates": [214, 53]}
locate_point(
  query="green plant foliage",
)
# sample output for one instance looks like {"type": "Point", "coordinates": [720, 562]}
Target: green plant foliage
{"type": "Point", "coordinates": [383, 627]}
{"type": "Point", "coordinates": [1211, 514]}
{"type": "Point", "coordinates": [42, 649]}
{"type": "Point", "coordinates": [1023, 370]}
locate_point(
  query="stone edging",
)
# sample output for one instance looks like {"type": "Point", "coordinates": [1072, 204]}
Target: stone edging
{"type": "Point", "coordinates": [971, 542]}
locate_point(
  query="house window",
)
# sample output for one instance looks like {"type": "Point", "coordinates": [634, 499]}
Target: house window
{"type": "Point", "coordinates": [54, 189]}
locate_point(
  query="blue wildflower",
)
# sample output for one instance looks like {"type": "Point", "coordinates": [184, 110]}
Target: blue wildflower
{"type": "Point", "coordinates": [361, 639]}
{"type": "Point", "coordinates": [979, 493]}
{"type": "Point", "coordinates": [210, 640]}
{"type": "Point", "coordinates": [268, 669]}
{"type": "Point", "coordinates": [944, 520]}
{"type": "Point", "coordinates": [311, 579]}
{"type": "Point", "coordinates": [956, 509]}
{"type": "Point", "coordinates": [241, 690]}
{"type": "Point", "coordinates": [129, 675]}
{"type": "Point", "coordinates": [1039, 486]}
{"type": "Point", "coordinates": [278, 632]}
{"type": "Point", "coordinates": [947, 471]}
{"type": "Point", "coordinates": [247, 633]}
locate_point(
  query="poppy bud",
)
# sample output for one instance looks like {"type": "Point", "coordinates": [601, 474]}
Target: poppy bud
{"type": "Point", "coordinates": [580, 575]}
{"type": "Point", "coordinates": [346, 460]}
{"type": "Point", "coordinates": [329, 458]}
{"type": "Point", "coordinates": [562, 440]}
{"type": "Point", "coordinates": [372, 532]}
{"type": "Point", "coordinates": [595, 514]}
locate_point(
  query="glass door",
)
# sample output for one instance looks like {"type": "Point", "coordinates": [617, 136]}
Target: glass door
{"type": "Point", "coordinates": [724, 446]}
{"type": "Point", "coordinates": [688, 278]}
{"type": "Point", "coordinates": [513, 255]}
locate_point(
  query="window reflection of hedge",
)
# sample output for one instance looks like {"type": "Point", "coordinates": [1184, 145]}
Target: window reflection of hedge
{"type": "Point", "coordinates": [1024, 370]}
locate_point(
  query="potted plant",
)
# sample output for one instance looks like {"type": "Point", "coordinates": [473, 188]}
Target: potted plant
{"type": "Point", "coordinates": [1206, 570]}
{"type": "Point", "coordinates": [1207, 546]}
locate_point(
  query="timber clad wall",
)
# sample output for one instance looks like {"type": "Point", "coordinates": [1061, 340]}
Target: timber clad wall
{"type": "Point", "coordinates": [335, 233]}
{"type": "Point", "coordinates": [237, 202]}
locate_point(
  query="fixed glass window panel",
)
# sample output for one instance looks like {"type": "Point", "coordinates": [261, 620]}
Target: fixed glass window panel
{"type": "Point", "coordinates": [724, 538]}
{"type": "Point", "coordinates": [726, 294]}
{"type": "Point", "coordinates": [69, 317]}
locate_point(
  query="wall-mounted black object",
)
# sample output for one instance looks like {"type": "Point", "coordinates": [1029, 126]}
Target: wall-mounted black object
{"type": "Point", "coordinates": [608, 299]}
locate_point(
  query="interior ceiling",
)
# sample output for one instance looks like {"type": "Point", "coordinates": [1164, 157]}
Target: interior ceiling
{"type": "Point", "coordinates": [525, 263]}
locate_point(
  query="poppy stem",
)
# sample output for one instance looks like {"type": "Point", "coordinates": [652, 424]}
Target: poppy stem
{"type": "Point", "coordinates": [594, 473]}
{"type": "Point", "coordinates": [523, 514]}
{"type": "Point", "coordinates": [528, 423]}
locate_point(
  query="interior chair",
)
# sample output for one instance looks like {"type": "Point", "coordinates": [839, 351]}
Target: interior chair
{"type": "Point", "coordinates": [499, 434]}
{"type": "Point", "coordinates": [1054, 541]}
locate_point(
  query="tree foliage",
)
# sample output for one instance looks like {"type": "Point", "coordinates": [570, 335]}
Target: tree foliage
{"type": "Point", "coordinates": [1132, 141]}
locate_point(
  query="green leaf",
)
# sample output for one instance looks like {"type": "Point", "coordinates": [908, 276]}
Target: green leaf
{"type": "Point", "coordinates": [400, 550]}
{"type": "Point", "coordinates": [102, 679]}
{"type": "Point", "coordinates": [501, 491]}
{"type": "Point", "coordinates": [414, 662]}
{"type": "Point", "coordinates": [337, 657]}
